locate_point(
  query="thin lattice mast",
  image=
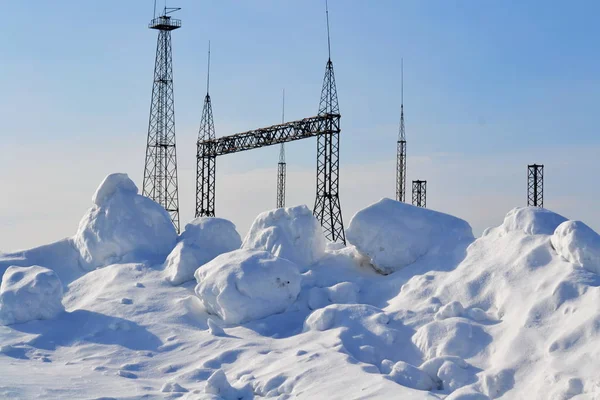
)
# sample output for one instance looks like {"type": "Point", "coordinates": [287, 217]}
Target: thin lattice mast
{"type": "Point", "coordinates": [401, 146]}
{"type": "Point", "coordinates": [419, 193]}
{"type": "Point", "coordinates": [206, 160]}
{"type": "Point", "coordinates": [160, 170]}
{"type": "Point", "coordinates": [535, 185]}
{"type": "Point", "coordinates": [281, 165]}
{"type": "Point", "coordinates": [327, 204]}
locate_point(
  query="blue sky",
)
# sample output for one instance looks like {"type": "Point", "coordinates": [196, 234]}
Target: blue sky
{"type": "Point", "coordinates": [489, 87]}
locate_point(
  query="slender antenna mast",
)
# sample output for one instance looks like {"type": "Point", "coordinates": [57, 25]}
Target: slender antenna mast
{"type": "Point", "coordinates": [328, 39]}
{"type": "Point", "coordinates": [402, 82]}
{"type": "Point", "coordinates": [154, 10]}
{"type": "Point", "coordinates": [281, 165]}
{"type": "Point", "coordinates": [283, 108]}
{"type": "Point", "coordinates": [208, 73]}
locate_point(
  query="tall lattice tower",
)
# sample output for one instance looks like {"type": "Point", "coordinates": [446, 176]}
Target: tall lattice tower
{"type": "Point", "coordinates": [327, 204]}
{"type": "Point", "coordinates": [160, 171]}
{"type": "Point", "coordinates": [535, 185]}
{"type": "Point", "coordinates": [419, 193]}
{"type": "Point", "coordinates": [281, 165]}
{"type": "Point", "coordinates": [205, 171]}
{"type": "Point", "coordinates": [401, 146]}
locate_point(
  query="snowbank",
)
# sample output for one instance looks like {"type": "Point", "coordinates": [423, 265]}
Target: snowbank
{"type": "Point", "coordinates": [202, 240]}
{"type": "Point", "coordinates": [578, 243]}
{"type": "Point", "coordinates": [292, 233]}
{"type": "Point", "coordinates": [245, 285]}
{"type": "Point", "coordinates": [532, 221]}
{"type": "Point", "coordinates": [29, 293]}
{"type": "Point", "coordinates": [122, 225]}
{"type": "Point", "coordinates": [394, 234]}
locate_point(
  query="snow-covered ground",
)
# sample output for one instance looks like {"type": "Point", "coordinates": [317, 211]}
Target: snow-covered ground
{"type": "Point", "coordinates": [413, 308]}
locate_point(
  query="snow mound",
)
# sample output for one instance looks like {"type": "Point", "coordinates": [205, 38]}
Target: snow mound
{"type": "Point", "coordinates": [246, 285]}
{"type": "Point", "coordinates": [29, 293]}
{"type": "Point", "coordinates": [579, 244]}
{"type": "Point", "coordinates": [394, 235]}
{"type": "Point", "coordinates": [202, 240]}
{"type": "Point", "coordinates": [532, 221]}
{"type": "Point", "coordinates": [219, 386]}
{"type": "Point", "coordinates": [451, 337]}
{"type": "Point", "coordinates": [410, 376]}
{"type": "Point", "coordinates": [292, 233]}
{"type": "Point", "coordinates": [122, 225]}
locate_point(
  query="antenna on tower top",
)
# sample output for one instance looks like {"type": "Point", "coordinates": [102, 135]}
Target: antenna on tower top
{"type": "Point", "coordinates": [402, 82]}
{"type": "Point", "coordinates": [328, 38]}
{"type": "Point", "coordinates": [283, 108]}
{"type": "Point", "coordinates": [208, 73]}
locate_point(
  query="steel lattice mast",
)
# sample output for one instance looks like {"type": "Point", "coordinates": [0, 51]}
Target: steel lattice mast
{"type": "Point", "coordinates": [206, 161]}
{"type": "Point", "coordinates": [535, 185]}
{"type": "Point", "coordinates": [419, 193]}
{"type": "Point", "coordinates": [401, 147]}
{"type": "Point", "coordinates": [160, 171]}
{"type": "Point", "coordinates": [281, 165]}
{"type": "Point", "coordinates": [327, 204]}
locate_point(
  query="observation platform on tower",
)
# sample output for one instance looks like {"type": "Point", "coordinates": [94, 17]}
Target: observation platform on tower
{"type": "Point", "coordinates": [165, 23]}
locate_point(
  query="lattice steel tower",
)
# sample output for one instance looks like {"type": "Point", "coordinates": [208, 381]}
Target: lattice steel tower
{"type": "Point", "coordinates": [281, 165]}
{"type": "Point", "coordinates": [206, 160]}
{"type": "Point", "coordinates": [160, 171]}
{"type": "Point", "coordinates": [327, 204]}
{"type": "Point", "coordinates": [419, 193]}
{"type": "Point", "coordinates": [535, 185]}
{"type": "Point", "coordinates": [401, 147]}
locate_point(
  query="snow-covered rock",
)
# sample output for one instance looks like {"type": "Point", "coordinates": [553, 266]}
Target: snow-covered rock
{"type": "Point", "coordinates": [292, 233]}
{"type": "Point", "coordinates": [579, 244]}
{"type": "Point", "coordinates": [122, 225]}
{"type": "Point", "coordinates": [394, 235]}
{"type": "Point", "coordinates": [218, 385]}
{"type": "Point", "coordinates": [29, 293]}
{"type": "Point", "coordinates": [532, 221]}
{"type": "Point", "coordinates": [410, 376]}
{"type": "Point", "coordinates": [202, 240]}
{"type": "Point", "coordinates": [450, 337]}
{"type": "Point", "coordinates": [245, 285]}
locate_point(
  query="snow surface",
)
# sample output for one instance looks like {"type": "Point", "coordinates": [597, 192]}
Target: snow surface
{"type": "Point", "coordinates": [201, 241]}
{"type": "Point", "coordinates": [510, 315]}
{"type": "Point", "coordinates": [245, 285]}
{"type": "Point", "coordinates": [123, 226]}
{"type": "Point", "coordinates": [292, 233]}
{"type": "Point", "coordinates": [29, 293]}
{"type": "Point", "coordinates": [394, 235]}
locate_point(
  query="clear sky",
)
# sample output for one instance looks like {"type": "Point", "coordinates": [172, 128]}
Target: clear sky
{"type": "Point", "coordinates": [489, 88]}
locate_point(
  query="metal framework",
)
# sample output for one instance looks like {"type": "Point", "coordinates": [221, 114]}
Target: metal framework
{"type": "Point", "coordinates": [401, 148]}
{"type": "Point", "coordinates": [206, 162]}
{"type": "Point", "coordinates": [160, 171]}
{"type": "Point", "coordinates": [281, 165]}
{"type": "Point", "coordinates": [535, 185]}
{"type": "Point", "coordinates": [419, 193]}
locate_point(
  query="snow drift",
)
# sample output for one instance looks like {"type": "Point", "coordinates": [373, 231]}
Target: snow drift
{"type": "Point", "coordinates": [292, 233]}
{"type": "Point", "coordinates": [122, 225]}
{"type": "Point", "coordinates": [394, 235]}
{"type": "Point", "coordinates": [29, 293]}
{"type": "Point", "coordinates": [245, 285]}
{"type": "Point", "coordinates": [578, 243]}
{"type": "Point", "coordinates": [202, 240]}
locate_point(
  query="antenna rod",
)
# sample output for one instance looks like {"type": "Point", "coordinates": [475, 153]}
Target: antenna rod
{"type": "Point", "coordinates": [402, 81]}
{"type": "Point", "coordinates": [328, 40]}
{"type": "Point", "coordinates": [154, 17]}
{"type": "Point", "coordinates": [208, 73]}
{"type": "Point", "coordinates": [283, 108]}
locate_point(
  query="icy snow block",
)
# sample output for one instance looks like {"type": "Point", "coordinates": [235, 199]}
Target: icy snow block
{"type": "Point", "coordinates": [393, 235]}
{"type": "Point", "coordinates": [292, 233]}
{"type": "Point", "coordinates": [202, 240]}
{"type": "Point", "coordinates": [122, 225]}
{"type": "Point", "coordinates": [29, 293]}
{"type": "Point", "coordinates": [579, 244]}
{"type": "Point", "coordinates": [532, 221]}
{"type": "Point", "coordinates": [245, 285]}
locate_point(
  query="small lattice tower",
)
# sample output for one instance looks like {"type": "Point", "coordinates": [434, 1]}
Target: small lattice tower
{"type": "Point", "coordinates": [401, 147]}
{"type": "Point", "coordinates": [535, 185]}
{"type": "Point", "coordinates": [160, 171]}
{"type": "Point", "coordinates": [281, 165]}
{"type": "Point", "coordinates": [327, 204]}
{"type": "Point", "coordinates": [206, 160]}
{"type": "Point", "coordinates": [419, 193]}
